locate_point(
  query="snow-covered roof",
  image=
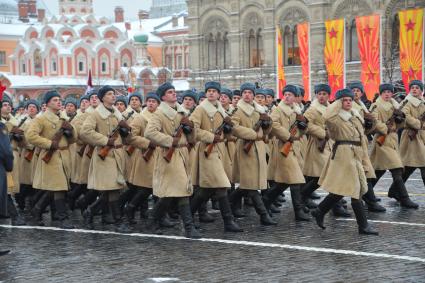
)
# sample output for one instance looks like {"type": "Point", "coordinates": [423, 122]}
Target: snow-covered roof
{"type": "Point", "coordinates": [181, 85]}
{"type": "Point", "coordinates": [19, 81]}
{"type": "Point", "coordinates": [17, 30]}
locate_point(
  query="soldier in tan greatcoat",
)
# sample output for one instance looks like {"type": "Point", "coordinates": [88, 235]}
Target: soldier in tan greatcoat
{"type": "Point", "coordinates": [412, 143]}
{"type": "Point", "coordinates": [385, 153]}
{"type": "Point", "coordinates": [53, 134]}
{"type": "Point", "coordinates": [171, 130]}
{"type": "Point", "coordinates": [251, 126]}
{"type": "Point", "coordinates": [287, 170]}
{"type": "Point", "coordinates": [14, 130]}
{"type": "Point", "coordinates": [27, 161]}
{"type": "Point", "coordinates": [211, 153]}
{"type": "Point", "coordinates": [370, 124]}
{"type": "Point", "coordinates": [318, 143]}
{"type": "Point", "coordinates": [105, 129]}
{"type": "Point", "coordinates": [344, 174]}
{"type": "Point", "coordinates": [142, 161]}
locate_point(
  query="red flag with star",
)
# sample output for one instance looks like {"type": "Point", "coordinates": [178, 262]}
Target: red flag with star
{"type": "Point", "coordinates": [411, 45]}
{"type": "Point", "coordinates": [303, 32]}
{"type": "Point", "coordinates": [334, 54]}
{"type": "Point", "coordinates": [368, 34]}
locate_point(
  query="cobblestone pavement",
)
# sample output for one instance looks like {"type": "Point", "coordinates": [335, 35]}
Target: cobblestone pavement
{"type": "Point", "coordinates": [299, 252]}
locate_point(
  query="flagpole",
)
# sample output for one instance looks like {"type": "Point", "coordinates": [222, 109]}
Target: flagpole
{"type": "Point", "coordinates": [277, 60]}
{"type": "Point", "coordinates": [423, 44]}
{"type": "Point", "coordinates": [309, 64]}
{"type": "Point", "coordinates": [380, 50]}
{"type": "Point", "coordinates": [344, 59]}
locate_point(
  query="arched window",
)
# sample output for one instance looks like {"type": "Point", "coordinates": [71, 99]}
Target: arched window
{"type": "Point", "coordinates": [395, 34]}
{"type": "Point", "coordinates": [211, 52]}
{"type": "Point", "coordinates": [226, 50]}
{"type": "Point", "coordinates": [291, 51]}
{"type": "Point", "coordinates": [53, 65]}
{"type": "Point", "coordinates": [260, 55]}
{"type": "Point", "coordinates": [81, 60]}
{"type": "Point", "coordinates": [38, 67]}
{"type": "Point", "coordinates": [352, 49]}
{"type": "Point", "coordinates": [104, 64]}
{"type": "Point", "coordinates": [252, 48]}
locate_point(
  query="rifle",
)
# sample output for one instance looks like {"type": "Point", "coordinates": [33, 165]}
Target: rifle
{"type": "Point", "coordinates": [90, 151]}
{"type": "Point", "coordinates": [208, 149]}
{"type": "Point", "coordinates": [148, 154]}
{"type": "Point", "coordinates": [412, 133]}
{"type": "Point", "coordinates": [57, 137]}
{"type": "Point", "coordinates": [104, 150]}
{"type": "Point", "coordinates": [322, 144]}
{"type": "Point", "coordinates": [177, 134]}
{"type": "Point", "coordinates": [82, 149]}
{"type": "Point", "coordinates": [248, 144]}
{"type": "Point", "coordinates": [380, 140]}
{"type": "Point", "coordinates": [30, 155]}
{"type": "Point", "coordinates": [15, 136]}
{"type": "Point", "coordinates": [287, 146]}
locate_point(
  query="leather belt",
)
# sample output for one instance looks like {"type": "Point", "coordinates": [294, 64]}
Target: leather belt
{"type": "Point", "coordinates": [338, 143]}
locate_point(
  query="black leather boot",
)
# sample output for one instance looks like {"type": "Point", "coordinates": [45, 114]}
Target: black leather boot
{"type": "Point", "coordinates": [158, 213]}
{"type": "Point", "coordinates": [91, 211]}
{"type": "Point", "coordinates": [229, 224]}
{"type": "Point", "coordinates": [186, 215]}
{"type": "Point", "coordinates": [403, 195]}
{"type": "Point", "coordinates": [15, 217]}
{"type": "Point", "coordinates": [339, 210]}
{"type": "Point", "coordinates": [85, 200]}
{"type": "Point", "coordinates": [298, 205]}
{"type": "Point", "coordinates": [272, 194]}
{"type": "Point", "coordinates": [364, 227]}
{"type": "Point", "coordinates": [62, 214]}
{"type": "Point", "coordinates": [39, 207]}
{"type": "Point", "coordinates": [261, 210]}
{"type": "Point", "coordinates": [307, 190]}
{"type": "Point", "coordinates": [121, 224]}
{"type": "Point", "coordinates": [327, 203]}
{"type": "Point", "coordinates": [235, 199]}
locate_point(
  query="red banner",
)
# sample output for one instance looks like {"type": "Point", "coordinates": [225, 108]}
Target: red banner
{"type": "Point", "coordinates": [280, 77]}
{"type": "Point", "coordinates": [334, 54]}
{"type": "Point", "coordinates": [411, 45]}
{"type": "Point", "coordinates": [368, 34]}
{"type": "Point", "coordinates": [303, 34]}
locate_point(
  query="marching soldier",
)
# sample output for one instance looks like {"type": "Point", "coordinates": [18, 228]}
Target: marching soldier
{"type": "Point", "coordinates": [212, 124]}
{"type": "Point", "coordinates": [260, 96]}
{"type": "Point", "coordinates": [189, 101]}
{"type": "Point", "coordinates": [13, 127]}
{"type": "Point", "coordinates": [84, 104]}
{"type": "Point", "coordinates": [288, 126]}
{"type": "Point", "coordinates": [226, 96]}
{"type": "Point", "coordinates": [201, 97]}
{"type": "Point", "coordinates": [270, 100]}
{"type": "Point", "coordinates": [171, 130]}
{"type": "Point", "coordinates": [236, 97]}
{"type": "Point", "coordinates": [71, 107]}
{"type": "Point", "coordinates": [142, 162]}
{"type": "Point", "coordinates": [251, 127]}
{"type": "Point", "coordinates": [385, 153]}
{"type": "Point", "coordinates": [53, 134]}
{"type": "Point", "coordinates": [27, 161]}
{"type": "Point", "coordinates": [318, 144]}
{"type": "Point", "coordinates": [343, 174]}
{"type": "Point", "coordinates": [121, 103]}
{"type": "Point", "coordinates": [105, 129]}
{"type": "Point", "coordinates": [135, 102]}
{"type": "Point", "coordinates": [412, 144]}
{"type": "Point", "coordinates": [370, 123]}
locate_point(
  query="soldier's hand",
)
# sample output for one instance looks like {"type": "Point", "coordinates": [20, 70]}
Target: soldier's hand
{"type": "Point", "coordinates": [185, 121]}
{"type": "Point", "coordinates": [124, 124]}
{"type": "Point", "coordinates": [111, 142]}
{"type": "Point", "coordinates": [264, 117]}
{"type": "Point", "coordinates": [17, 131]}
{"type": "Point", "coordinates": [368, 116]}
{"type": "Point", "coordinates": [54, 145]}
{"type": "Point", "coordinates": [327, 135]}
{"type": "Point", "coordinates": [217, 138]}
{"type": "Point", "coordinates": [227, 120]}
{"type": "Point", "coordinates": [176, 141]}
{"type": "Point", "coordinates": [66, 126]}
{"type": "Point", "coordinates": [152, 145]}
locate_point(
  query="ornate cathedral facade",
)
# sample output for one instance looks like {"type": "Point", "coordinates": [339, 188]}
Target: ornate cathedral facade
{"type": "Point", "coordinates": [234, 40]}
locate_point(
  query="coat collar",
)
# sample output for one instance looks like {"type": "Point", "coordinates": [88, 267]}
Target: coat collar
{"type": "Point", "coordinates": [286, 109]}
{"type": "Point", "coordinates": [230, 110]}
{"type": "Point", "coordinates": [90, 109]}
{"type": "Point", "coordinates": [105, 113]}
{"type": "Point", "coordinates": [52, 117]}
{"type": "Point", "coordinates": [211, 109]}
{"type": "Point", "coordinates": [414, 100]}
{"type": "Point", "coordinates": [11, 120]}
{"type": "Point", "coordinates": [248, 109]}
{"type": "Point", "coordinates": [319, 107]}
{"type": "Point", "coordinates": [146, 114]}
{"type": "Point", "coordinates": [170, 112]}
{"type": "Point", "coordinates": [387, 105]}
{"type": "Point", "coordinates": [359, 105]}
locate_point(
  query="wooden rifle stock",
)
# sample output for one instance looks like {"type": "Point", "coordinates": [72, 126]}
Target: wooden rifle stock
{"type": "Point", "coordinates": [130, 150]}
{"type": "Point", "coordinates": [170, 152]}
{"type": "Point", "coordinates": [104, 150]}
{"type": "Point", "coordinates": [148, 154]}
{"type": "Point", "coordinates": [287, 146]}
{"type": "Point", "coordinates": [248, 144]}
{"type": "Point", "coordinates": [82, 149]}
{"type": "Point", "coordinates": [208, 149]}
{"type": "Point", "coordinates": [56, 138]}
{"type": "Point", "coordinates": [322, 144]}
{"type": "Point", "coordinates": [29, 155]}
{"type": "Point", "coordinates": [90, 151]}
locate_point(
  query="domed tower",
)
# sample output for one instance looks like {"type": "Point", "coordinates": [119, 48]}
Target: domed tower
{"type": "Point", "coordinates": [76, 7]}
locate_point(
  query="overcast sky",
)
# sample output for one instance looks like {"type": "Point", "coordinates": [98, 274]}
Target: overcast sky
{"type": "Point", "coordinates": [106, 7]}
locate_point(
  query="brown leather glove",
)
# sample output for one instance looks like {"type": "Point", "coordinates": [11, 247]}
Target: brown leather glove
{"type": "Point", "coordinates": [264, 117]}
{"type": "Point", "coordinates": [217, 138]}
{"type": "Point", "coordinates": [368, 116]}
{"type": "Point", "coordinates": [185, 121]}
{"type": "Point", "coordinates": [66, 126]}
{"type": "Point", "coordinates": [124, 124]}
{"type": "Point", "coordinates": [228, 120]}
{"type": "Point", "coordinates": [17, 131]}
{"type": "Point", "coordinates": [176, 141]}
{"type": "Point", "coordinates": [152, 145]}
{"type": "Point", "coordinates": [111, 142]}
{"type": "Point", "coordinates": [54, 145]}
